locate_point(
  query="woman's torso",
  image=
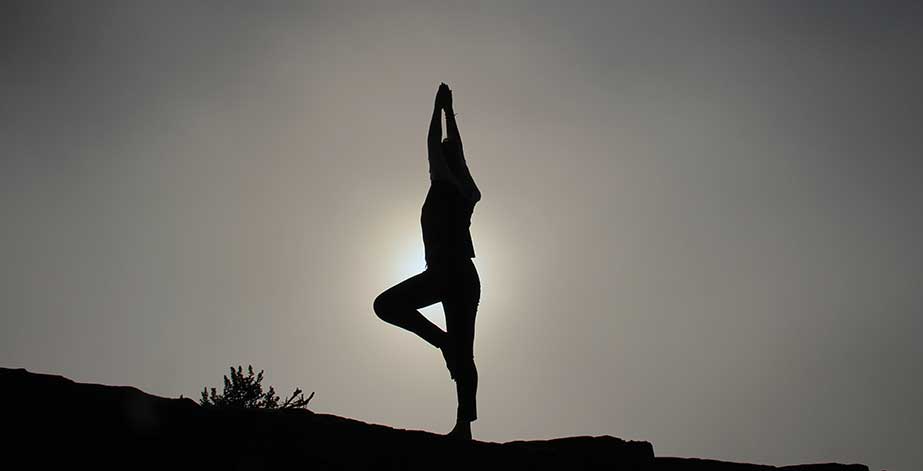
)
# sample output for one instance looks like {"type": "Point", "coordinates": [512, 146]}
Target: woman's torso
{"type": "Point", "coordinates": [445, 220]}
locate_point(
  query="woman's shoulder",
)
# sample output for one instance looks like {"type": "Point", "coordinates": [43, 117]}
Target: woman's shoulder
{"type": "Point", "coordinates": [448, 189]}
{"type": "Point", "coordinates": [444, 186]}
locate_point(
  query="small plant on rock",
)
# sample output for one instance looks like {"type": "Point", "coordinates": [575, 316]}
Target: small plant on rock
{"type": "Point", "coordinates": [246, 392]}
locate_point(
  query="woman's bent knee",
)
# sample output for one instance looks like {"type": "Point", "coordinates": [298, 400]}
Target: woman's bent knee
{"type": "Point", "coordinates": [382, 306]}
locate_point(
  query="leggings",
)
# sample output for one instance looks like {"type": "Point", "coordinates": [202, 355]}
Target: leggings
{"type": "Point", "coordinates": [455, 284]}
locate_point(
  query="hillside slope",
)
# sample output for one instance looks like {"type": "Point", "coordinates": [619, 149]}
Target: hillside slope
{"type": "Point", "coordinates": [55, 421]}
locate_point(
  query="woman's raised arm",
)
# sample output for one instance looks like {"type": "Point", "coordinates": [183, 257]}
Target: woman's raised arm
{"type": "Point", "coordinates": [468, 186]}
{"type": "Point", "coordinates": [438, 168]}
{"type": "Point", "coordinates": [450, 124]}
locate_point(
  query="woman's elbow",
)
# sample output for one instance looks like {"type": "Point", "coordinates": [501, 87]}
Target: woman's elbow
{"type": "Point", "coordinates": [475, 195]}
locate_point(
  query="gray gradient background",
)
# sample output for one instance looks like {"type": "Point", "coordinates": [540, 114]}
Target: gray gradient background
{"type": "Point", "coordinates": [700, 220]}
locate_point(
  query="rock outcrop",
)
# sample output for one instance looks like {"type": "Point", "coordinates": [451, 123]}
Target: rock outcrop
{"type": "Point", "coordinates": [54, 422]}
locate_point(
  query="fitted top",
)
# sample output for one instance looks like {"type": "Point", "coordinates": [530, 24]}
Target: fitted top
{"type": "Point", "coordinates": [445, 219]}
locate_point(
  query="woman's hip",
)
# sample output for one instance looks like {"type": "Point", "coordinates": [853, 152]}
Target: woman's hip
{"type": "Point", "coordinates": [458, 277]}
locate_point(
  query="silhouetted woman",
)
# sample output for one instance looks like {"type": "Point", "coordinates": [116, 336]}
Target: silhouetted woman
{"type": "Point", "coordinates": [450, 276]}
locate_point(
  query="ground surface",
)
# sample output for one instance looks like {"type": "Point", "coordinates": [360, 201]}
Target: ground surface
{"type": "Point", "coordinates": [57, 422]}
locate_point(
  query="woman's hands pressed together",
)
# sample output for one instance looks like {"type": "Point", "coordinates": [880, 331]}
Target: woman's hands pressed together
{"type": "Point", "coordinates": [444, 97]}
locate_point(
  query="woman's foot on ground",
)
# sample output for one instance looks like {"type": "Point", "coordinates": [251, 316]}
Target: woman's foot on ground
{"type": "Point", "coordinates": [462, 431]}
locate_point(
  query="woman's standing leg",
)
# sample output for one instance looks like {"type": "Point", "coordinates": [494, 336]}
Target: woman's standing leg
{"type": "Point", "coordinates": [460, 308]}
{"type": "Point", "coordinates": [398, 305]}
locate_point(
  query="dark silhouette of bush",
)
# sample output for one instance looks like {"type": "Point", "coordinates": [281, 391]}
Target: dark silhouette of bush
{"type": "Point", "coordinates": [246, 392]}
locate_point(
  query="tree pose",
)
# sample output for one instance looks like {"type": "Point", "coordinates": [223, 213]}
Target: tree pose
{"type": "Point", "coordinates": [450, 276]}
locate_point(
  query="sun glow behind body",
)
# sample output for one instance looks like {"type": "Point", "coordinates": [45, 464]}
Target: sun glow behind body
{"type": "Point", "coordinates": [409, 259]}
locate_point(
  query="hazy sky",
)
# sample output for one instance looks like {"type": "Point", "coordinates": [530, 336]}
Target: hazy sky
{"type": "Point", "coordinates": [699, 224]}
